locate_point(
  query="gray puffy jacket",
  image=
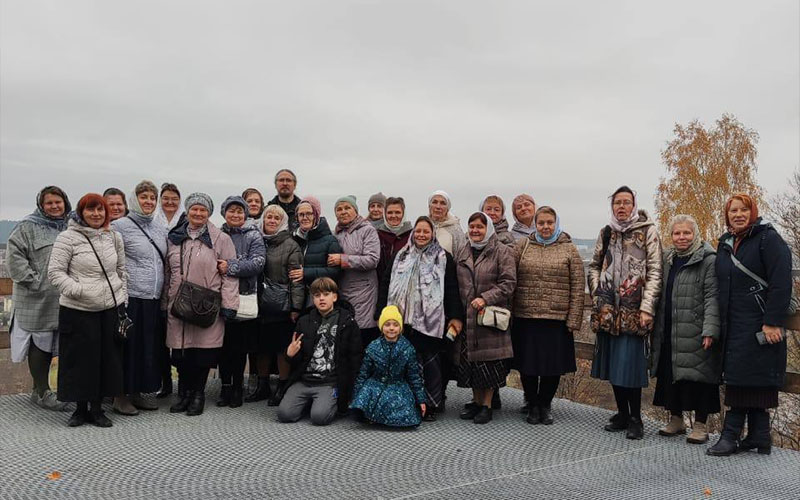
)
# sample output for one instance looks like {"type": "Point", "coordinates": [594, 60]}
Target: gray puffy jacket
{"type": "Point", "coordinates": [695, 314]}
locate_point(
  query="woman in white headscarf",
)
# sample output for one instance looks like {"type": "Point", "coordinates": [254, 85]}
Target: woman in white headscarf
{"type": "Point", "coordinates": [170, 207]}
{"type": "Point", "coordinates": [447, 226]}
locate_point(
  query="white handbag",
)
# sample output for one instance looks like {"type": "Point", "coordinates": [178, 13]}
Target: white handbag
{"type": "Point", "coordinates": [494, 317]}
{"type": "Point", "coordinates": [248, 307]}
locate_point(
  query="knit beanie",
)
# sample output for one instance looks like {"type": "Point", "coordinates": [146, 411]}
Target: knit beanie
{"type": "Point", "coordinates": [390, 312]}
{"type": "Point", "coordinates": [350, 198]}
{"type": "Point", "coordinates": [377, 198]}
{"type": "Point", "coordinates": [233, 200]}
{"type": "Point", "coordinates": [199, 199]}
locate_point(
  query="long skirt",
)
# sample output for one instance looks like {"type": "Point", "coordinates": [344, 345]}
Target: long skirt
{"type": "Point", "coordinates": [737, 396]}
{"type": "Point", "coordinates": [620, 359]}
{"type": "Point", "coordinates": [480, 374]}
{"type": "Point", "coordinates": [143, 351]}
{"type": "Point", "coordinates": [542, 347]}
{"type": "Point", "coordinates": [682, 395]}
{"type": "Point", "coordinates": [90, 356]}
{"type": "Point", "coordinates": [429, 355]}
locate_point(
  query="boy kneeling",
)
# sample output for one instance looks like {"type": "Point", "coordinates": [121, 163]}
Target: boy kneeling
{"type": "Point", "coordinates": [325, 355]}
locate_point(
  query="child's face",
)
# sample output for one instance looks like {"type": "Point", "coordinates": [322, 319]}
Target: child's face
{"type": "Point", "coordinates": [391, 330]}
{"type": "Point", "coordinates": [324, 301]}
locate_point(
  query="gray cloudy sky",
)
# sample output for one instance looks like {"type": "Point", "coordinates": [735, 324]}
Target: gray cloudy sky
{"type": "Point", "coordinates": [565, 100]}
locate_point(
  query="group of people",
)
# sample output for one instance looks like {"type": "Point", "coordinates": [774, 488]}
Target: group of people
{"type": "Point", "coordinates": [378, 314]}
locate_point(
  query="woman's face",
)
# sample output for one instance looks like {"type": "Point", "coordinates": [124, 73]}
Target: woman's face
{"type": "Point", "coordinates": [116, 206]}
{"type": "Point", "coordinates": [545, 225]}
{"type": "Point", "coordinates": [423, 234]}
{"type": "Point", "coordinates": [198, 215]}
{"type": "Point", "coordinates": [234, 216]}
{"type": "Point", "coordinates": [253, 204]}
{"type": "Point", "coordinates": [738, 215]}
{"type": "Point", "coordinates": [394, 215]}
{"type": "Point", "coordinates": [622, 206]}
{"type": "Point", "coordinates": [147, 202]}
{"type": "Point", "coordinates": [375, 211]}
{"type": "Point", "coordinates": [477, 230]}
{"type": "Point", "coordinates": [95, 216]}
{"type": "Point", "coordinates": [524, 211]}
{"type": "Point", "coordinates": [169, 202]}
{"type": "Point", "coordinates": [53, 205]}
{"type": "Point", "coordinates": [272, 222]}
{"type": "Point", "coordinates": [493, 210]}
{"type": "Point", "coordinates": [305, 217]}
{"type": "Point", "coordinates": [682, 236]}
{"type": "Point", "coordinates": [438, 208]}
{"type": "Point", "coordinates": [345, 213]}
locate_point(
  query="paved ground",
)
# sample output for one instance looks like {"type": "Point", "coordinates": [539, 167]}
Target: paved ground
{"type": "Point", "coordinates": [245, 453]}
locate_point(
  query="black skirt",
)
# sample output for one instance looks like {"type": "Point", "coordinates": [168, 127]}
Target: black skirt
{"type": "Point", "coordinates": [90, 355]}
{"type": "Point", "coordinates": [683, 395]}
{"type": "Point", "coordinates": [750, 397]}
{"type": "Point", "coordinates": [142, 350]}
{"type": "Point", "coordinates": [480, 374]}
{"type": "Point", "coordinates": [196, 357]}
{"type": "Point", "coordinates": [542, 347]}
{"type": "Point", "coordinates": [270, 337]}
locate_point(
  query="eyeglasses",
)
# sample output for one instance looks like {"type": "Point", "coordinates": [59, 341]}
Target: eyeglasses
{"type": "Point", "coordinates": [623, 203]}
{"type": "Point", "coordinates": [305, 215]}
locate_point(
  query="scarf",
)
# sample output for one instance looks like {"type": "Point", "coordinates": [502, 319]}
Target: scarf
{"type": "Point", "coordinates": [134, 208]}
{"type": "Point", "coordinates": [623, 225]}
{"type": "Point", "coordinates": [161, 218]}
{"type": "Point", "coordinates": [403, 228]}
{"type": "Point", "coordinates": [479, 245]}
{"type": "Point", "coordinates": [521, 228]}
{"type": "Point", "coordinates": [697, 243]}
{"type": "Point", "coordinates": [41, 218]}
{"type": "Point", "coordinates": [553, 237]}
{"type": "Point", "coordinates": [346, 227]}
{"type": "Point", "coordinates": [417, 286]}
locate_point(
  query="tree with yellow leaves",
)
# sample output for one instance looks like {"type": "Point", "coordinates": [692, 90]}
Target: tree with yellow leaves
{"type": "Point", "coordinates": [704, 167]}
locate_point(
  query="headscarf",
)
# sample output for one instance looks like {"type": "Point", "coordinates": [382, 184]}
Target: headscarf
{"type": "Point", "coordinates": [40, 217]}
{"type": "Point", "coordinates": [416, 286]}
{"type": "Point", "coordinates": [161, 217]}
{"type": "Point", "coordinates": [479, 245]}
{"type": "Point", "coordinates": [697, 241]}
{"type": "Point", "coordinates": [283, 226]}
{"type": "Point", "coordinates": [556, 231]}
{"type": "Point", "coordinates": [443, 195]}
{"type": "Point", "coordinates": [134, 207]}
{"type": "Point", "coordinates": [316, 210]}
{"type": "Point", "coordinates": [201, 199]}
{"type": "Point", "coordinates": [402, 228]}
{"type": "Point", "coordinates": [390, 312]}
{"type": "Point", "coordinates": [623, 225]}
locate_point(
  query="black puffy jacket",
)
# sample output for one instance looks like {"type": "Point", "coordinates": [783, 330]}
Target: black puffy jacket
{"type": "Point", "coordinates": [320, 243]}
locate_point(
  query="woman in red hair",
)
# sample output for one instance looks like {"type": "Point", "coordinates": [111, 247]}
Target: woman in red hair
{"type": "Point", "coordinates": [753, 269]}
{"type": "Point", "coordinates": [87, 266]}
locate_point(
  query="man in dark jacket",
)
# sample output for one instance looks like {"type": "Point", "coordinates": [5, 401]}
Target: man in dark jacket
{"type": "Point", "coordinates": [325, 354]}
{"type": "Point", "coordinates": [285, 184]}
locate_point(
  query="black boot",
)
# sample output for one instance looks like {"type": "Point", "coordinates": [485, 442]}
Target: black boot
{"type": "Point", "coordinates": [617, 422]}
{"type": "Point", "coordinates": [276, 398]}
{"type": "Point", "coordinates": [97, 417]}
{"type": "Point", "coordinates": [533, 418]}
{"type": "Point", "coordinates": [484, 415]}
{"type": "Point", "coordinates": [184, 397]}
{"type": "Point", "coordinates": [635, 428]}
{"type": "Point", "coordinates": [546, 415]}
{"type": "Point", "coordinates": [197, 404]}
{"type": "Point", "coordinates": [261, 393]}
{"type": "Point", "coordinates": [728, 442]}
{"type": "Point", "coordinates": [166, 386]}
{"type": "Point", "coordinates": [236, 396]}
{"type": "Point", "coordinates": [758, 435]}
{"type": "Point", "coordinates": [80, 416]}
{"type": "Point", "coordinates": [469, 412]}
{"type": "Point", "coordinates": [225, 395]}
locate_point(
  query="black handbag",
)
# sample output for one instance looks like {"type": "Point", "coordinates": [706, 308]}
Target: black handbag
{"type": "Point", "coordinates": [274, 297]}
{"type": "Point", "coordinates": [124, 322]}
{"type": "Point", "coordinates": [195, 304]}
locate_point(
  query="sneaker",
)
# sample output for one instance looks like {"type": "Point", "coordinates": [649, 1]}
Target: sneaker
{"type": "Point", "coordinates": [49, 401]}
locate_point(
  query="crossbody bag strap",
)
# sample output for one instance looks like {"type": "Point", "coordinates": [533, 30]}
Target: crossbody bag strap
{"type": "Point", "coordinates": [149, 239]}
{"type": "Point", "coordinates": [748, 272]}
{"type": "Point", "coordinates": [113, 295]}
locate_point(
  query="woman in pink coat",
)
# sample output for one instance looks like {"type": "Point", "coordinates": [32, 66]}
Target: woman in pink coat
{"type": "Point", "coordinates": [195, 349]}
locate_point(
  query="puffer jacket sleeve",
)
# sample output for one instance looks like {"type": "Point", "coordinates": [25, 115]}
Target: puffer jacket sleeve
{"type": "Point", "coordinates": [121, 270]}
{"type": "Point", "coordinates": [17, 262]}
{"type": "Point", "coordinates": [230, 284]}
{"type": "Point", "coordinates": [312, 273]}
{"type": "Point", "coordinates": [653, 276]}
{"type": "Point", "coordinates": [505, 283]}
{"type": "Point", "coordinates": [576, 290]}
{"type": "Point", "coordinates": [711, 327]}
{"type": "Point", "coordinates": [253, 263]}
{"type": "Point", "coordinates": [57, 270]}
{"type": "Point", "coordinates": [371, 249]}
{"type": "Point", "coordinates": [596, 264]}
{"type": "Point", "coordinates": [297, 291]}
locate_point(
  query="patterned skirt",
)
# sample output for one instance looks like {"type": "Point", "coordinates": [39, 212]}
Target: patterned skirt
{"type": "Point", "coordinates": [481, 374]}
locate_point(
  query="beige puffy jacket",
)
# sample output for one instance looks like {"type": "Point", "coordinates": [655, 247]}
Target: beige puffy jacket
{"type": "Point", "coordinates": [550, 281]}
{"type": "Point", "coordinates": [76, 273]}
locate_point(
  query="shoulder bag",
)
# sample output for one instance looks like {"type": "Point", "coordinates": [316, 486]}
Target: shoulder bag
{"type": "Point", "coordinates": [193, 303]}
{"type": "Point", "coordinates": [124, 323]}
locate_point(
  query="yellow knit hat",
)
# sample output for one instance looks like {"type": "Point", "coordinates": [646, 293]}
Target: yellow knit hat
{"type": "Point", "coordinates": [390, 312]}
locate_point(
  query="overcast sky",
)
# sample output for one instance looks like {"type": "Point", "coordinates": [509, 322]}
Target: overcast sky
{"type": "Point", "coordinates": [565, 100]}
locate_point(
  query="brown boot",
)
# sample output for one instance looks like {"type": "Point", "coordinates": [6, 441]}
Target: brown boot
{"type": "Point", "coordinates": [699, 434]}
{"type": "Point", "coordinates": [674, 427]}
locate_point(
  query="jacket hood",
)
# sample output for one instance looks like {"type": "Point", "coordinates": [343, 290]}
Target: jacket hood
{"type": "Point", "coordinates": [705, 250]}
{"type": "Point", "coordinates": [180, 233]}
{"type": "Point", "coordinates": [644, 221]}
{"type": "Point", "coordinates": [322, 230]}
{"type": "Point", "coordinates": [278, 238]}
{"type": "Point", "coordinates": [238, 230]}
{"type": "Point", "coordinates": [451, 220]}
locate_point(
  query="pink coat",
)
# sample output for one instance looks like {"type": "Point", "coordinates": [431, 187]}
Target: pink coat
{"type": "Point", "coordinates": [200, 267]}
